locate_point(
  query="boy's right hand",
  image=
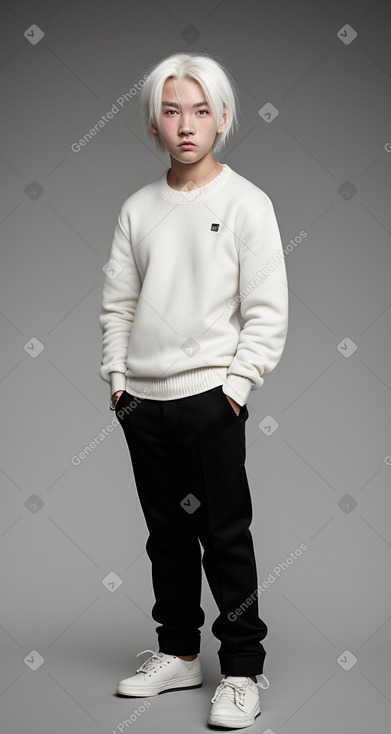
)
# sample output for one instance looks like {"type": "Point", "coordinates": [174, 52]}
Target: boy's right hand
{"type": "Point", "coordinates": [115, 397]}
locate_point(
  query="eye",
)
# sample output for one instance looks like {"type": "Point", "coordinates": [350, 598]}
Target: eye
{"type": "Point", "coordinates": [206, 111]}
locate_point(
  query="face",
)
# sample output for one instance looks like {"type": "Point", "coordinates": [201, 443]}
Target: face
{"type": "Point", "coordinates": [185, 115]}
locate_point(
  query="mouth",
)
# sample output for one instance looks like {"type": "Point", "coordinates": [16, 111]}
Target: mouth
{"type": "Point", "coordinates": [186, 144]}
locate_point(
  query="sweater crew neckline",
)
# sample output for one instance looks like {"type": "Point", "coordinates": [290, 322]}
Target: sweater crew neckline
{"type": "Point", "coordinates": [183, 197]}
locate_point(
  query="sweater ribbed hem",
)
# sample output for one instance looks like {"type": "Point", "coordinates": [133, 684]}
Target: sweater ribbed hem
{"type": "Point", "coordinates": [184, 384]}
{"type": "Point", "coordinates": [181, 385]}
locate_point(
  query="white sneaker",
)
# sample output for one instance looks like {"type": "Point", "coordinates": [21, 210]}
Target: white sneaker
{"type": "Point", "coordinates": [161, 673]}
{"type": "Point", "coordinates": [235, 703]}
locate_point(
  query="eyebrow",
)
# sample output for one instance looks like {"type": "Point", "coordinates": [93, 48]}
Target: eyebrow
{"type": "Point", "coordinates": [175, 104]}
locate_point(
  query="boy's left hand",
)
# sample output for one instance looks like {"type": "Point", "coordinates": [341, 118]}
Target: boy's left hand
{"type": "Point", "coordinates": [236, 407]}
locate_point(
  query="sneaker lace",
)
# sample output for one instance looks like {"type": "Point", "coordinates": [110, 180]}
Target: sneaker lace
{"type": "Point", "coordinates": [230, 691]}
{"type": "Point", "coordinates": [156, 657]}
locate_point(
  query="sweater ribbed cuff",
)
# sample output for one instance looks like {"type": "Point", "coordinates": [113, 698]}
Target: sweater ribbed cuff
{"type": "Point", "coordinates": [117, 382]}
{"type": "Point", "coordinates": [238, 388]}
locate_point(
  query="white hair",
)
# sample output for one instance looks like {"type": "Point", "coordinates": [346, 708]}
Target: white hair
{"type": "Point", "coordinates": [216, 81]}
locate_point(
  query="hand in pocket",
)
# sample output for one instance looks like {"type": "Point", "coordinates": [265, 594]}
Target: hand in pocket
{"type": "Point", "coordinates": [234, 405]}
{"type": "Point", "coordinates": [117, 396]}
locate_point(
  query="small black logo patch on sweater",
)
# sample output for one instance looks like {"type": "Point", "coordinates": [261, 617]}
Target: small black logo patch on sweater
{"type": "Point", "coordinates": [215, 227]}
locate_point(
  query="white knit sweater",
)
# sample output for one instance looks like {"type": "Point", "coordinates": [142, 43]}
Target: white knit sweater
{"type": "Point", "coordinates": [195, 292]}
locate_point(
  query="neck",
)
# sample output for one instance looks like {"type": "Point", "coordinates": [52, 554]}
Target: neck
{"type": "Point", "coordinates": [193, 175]}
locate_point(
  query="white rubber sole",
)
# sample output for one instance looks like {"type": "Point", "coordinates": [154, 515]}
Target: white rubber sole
{"type": "Point", "coordinates": [176, 684]}
{"type": "Point", "coordinates": [232, 722]}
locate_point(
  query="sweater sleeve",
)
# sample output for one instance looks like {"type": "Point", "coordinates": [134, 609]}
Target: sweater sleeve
{"type": "Point", "coordinates": [121, 289]}
{"type": "Point", "coordinates": [263, 306]}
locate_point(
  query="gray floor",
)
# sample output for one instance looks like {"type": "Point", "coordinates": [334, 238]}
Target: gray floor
{"type": "Point", "coordinates": [73, 689]}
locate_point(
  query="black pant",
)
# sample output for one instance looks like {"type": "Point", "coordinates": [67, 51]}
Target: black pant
{"type": "Point", "coordinates": [188, 460]}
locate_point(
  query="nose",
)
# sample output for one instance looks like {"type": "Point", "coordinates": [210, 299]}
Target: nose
{"type": "Point", "coordinates": [185, 124]}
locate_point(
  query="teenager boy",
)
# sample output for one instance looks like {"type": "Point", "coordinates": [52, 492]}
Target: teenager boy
{"type": "Point", "coordinates": [194, 313]}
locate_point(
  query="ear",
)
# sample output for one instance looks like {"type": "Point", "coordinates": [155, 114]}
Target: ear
{"type": "Point", "coordinates": [153, 129]}
{"type": "Point", "coordinates": [224, 120]}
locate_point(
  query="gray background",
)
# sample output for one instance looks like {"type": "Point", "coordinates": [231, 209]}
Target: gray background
{"type": "Point", "coordinates": [321, 478]}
